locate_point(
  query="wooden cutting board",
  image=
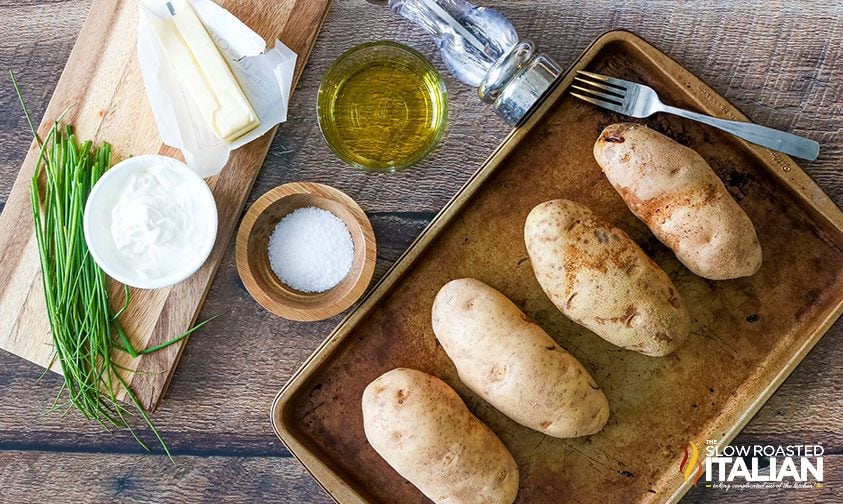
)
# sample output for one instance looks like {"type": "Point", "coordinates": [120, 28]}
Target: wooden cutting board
{"type": "Point", "coordinates": [102, 87]}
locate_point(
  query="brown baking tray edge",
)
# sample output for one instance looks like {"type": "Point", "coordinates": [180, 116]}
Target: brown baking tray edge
{"type": "Point", "coordinates": [789, 173]}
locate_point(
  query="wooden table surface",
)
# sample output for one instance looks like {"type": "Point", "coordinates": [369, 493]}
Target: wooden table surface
{"type": "Point", "coordinates": [780, 61]}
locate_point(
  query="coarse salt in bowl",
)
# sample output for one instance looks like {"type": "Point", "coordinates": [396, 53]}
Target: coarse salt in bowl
{"type": "Point", "coordinates": [284, 291]}
{"type": "Point", "coordinates": [311, 250]}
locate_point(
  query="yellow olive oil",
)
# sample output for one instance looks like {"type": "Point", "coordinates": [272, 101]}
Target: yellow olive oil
{"type": "Point", "coordinates": [382, 106]}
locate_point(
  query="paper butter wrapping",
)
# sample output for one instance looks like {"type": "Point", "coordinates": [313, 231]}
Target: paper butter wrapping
{"type": "Point", "coordinates": [265, 77]}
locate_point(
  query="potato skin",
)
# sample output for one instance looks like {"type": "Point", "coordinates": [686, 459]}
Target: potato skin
{"type": "Point", "coordinates": [509, 361]}
{"type": "Point", "coordinates": [673, 190]}
{"type": "Point", "coordinates": [422, 428]}
{"type": "Point", "coordinates": [600, 278]}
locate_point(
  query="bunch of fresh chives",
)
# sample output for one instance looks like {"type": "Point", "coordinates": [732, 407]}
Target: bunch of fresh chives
{"type": "Point", "coordinates": [84, 327]}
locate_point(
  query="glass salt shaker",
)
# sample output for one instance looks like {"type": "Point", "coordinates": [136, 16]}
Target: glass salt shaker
{"type": "Point", "coordinates": [481, 48]}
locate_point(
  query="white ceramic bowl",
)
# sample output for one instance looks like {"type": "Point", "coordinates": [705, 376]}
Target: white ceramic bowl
{"type": "Point", "coordinates": [97, 222]}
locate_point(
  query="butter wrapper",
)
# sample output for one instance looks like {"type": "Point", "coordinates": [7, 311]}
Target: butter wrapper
{"type": "Point", "coordinates": [266, 77]}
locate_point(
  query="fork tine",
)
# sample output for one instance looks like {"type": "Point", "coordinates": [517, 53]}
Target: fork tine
{"type": "Point", "coordinates": [610, 89]}
{"type": "Point", "coordinates": [623, 84]}
{"type": "Point", "coordinates": [599, 103]}
{"type": "Point", "coordinates": [599, 94]}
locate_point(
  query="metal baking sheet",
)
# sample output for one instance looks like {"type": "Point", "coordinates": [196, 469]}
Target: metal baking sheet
{"type": "Point", "coordinates": [747, 334]}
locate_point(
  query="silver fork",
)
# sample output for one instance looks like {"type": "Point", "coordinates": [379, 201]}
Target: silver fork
{"type": "Point", "coordinates": [638, 100]}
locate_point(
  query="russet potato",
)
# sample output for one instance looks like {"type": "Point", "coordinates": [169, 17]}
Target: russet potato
{"type": "Point", "coordinates": [509, 361]}
{"type": "Point", "coordinates": [600, 278]}
{"type": "Point", "coordinates": [422, 428]}
{"type": "Point", "coordinates": [673, 190]}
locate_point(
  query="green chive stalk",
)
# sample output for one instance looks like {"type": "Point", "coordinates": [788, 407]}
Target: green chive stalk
{"type": "Point", "coordinates": [85, 329]}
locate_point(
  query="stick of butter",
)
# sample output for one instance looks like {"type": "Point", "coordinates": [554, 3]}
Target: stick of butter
{"type": "Point", "coordinates": [204, 72]}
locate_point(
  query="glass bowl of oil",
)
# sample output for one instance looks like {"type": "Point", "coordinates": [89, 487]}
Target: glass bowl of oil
{"type": "Point", "coordinates": [382, 106]}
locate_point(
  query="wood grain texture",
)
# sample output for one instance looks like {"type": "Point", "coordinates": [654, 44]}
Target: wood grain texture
{"type": "Point", "coordinates": [102, 91]}
{"type": "Point", "coordinates": [779, 61]}
{"type": "Point", "coordinates": [134, 479]}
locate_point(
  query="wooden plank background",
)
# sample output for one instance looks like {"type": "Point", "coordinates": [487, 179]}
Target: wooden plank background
{"type": "Point", "coordinates": [780, 61]}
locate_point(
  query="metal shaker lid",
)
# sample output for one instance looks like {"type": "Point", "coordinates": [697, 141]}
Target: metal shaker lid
{"type": "Point", "coordinates": [517, 80]}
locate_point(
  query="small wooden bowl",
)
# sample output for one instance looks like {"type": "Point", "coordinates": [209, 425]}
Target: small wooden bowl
{"type": "Point", "coordinates": [253, 252]}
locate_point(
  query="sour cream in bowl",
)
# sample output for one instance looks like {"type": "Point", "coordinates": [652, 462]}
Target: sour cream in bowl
{"type": "Point", "coordinates": [150, 222]}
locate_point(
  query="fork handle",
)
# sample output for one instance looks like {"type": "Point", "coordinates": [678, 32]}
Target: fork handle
{"type": "Point", "coordinates": [781, 141]}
